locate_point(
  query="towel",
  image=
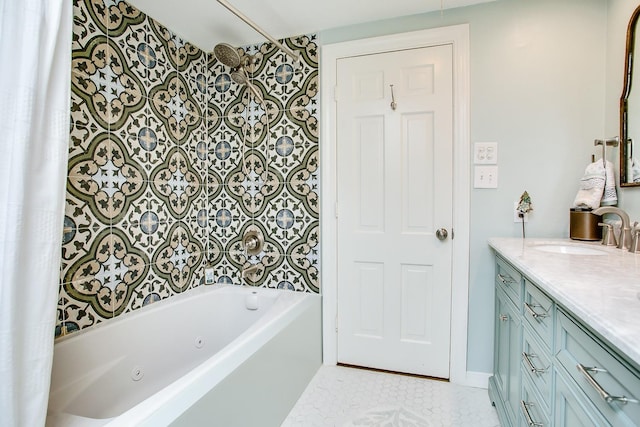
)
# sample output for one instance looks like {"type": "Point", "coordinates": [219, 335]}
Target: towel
{"type": "Point", "coordinates": [634, 168]}
{"type": "Point", "coordinates": [597, 186]}
{"type": "Point", "coordinates": [610, 196]}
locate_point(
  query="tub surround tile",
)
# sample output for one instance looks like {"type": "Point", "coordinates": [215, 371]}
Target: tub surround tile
{"type": "Point", "coordinates": [170, 161]}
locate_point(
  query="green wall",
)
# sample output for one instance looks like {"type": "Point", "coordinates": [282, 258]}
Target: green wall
{"type": "Point", "coordinates": [539, 80]}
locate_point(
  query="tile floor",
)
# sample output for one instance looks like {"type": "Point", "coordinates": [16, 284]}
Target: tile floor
{"type": "Point", "coordinates": [346, 397]}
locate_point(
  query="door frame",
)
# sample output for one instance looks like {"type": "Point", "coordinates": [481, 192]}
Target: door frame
{"type": "Point", "coordinates": [458, 37]}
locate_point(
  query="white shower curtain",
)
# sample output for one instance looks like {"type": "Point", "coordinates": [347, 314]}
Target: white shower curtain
{"type": "Point", "coordinates": [35, 69]}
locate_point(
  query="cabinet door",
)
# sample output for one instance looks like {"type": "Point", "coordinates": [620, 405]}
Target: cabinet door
{"type": "Point", "coordinates": [507, 354]}
{"type": "Point", "coordinates": [573, 409]}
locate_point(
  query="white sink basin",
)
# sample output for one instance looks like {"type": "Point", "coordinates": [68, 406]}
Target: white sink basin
{"type": "Point", "coordinates": [569, 249]}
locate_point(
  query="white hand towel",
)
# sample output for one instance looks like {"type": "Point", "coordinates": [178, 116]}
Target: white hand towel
{"type": "Point", "coordinates": [591, 186]}
{"type": "Point", "coordinates": [610, 196]}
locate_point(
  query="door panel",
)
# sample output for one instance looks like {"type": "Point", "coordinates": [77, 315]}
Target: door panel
{"type": "Point", "coordinates": [417, 151]}
{"type": "Point", "coordinates": [394, 192]}
{"type": "Point", "coordinates": [369, 134]}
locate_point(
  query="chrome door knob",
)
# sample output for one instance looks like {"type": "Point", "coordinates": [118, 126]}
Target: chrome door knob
{"type": "Point", "coordinates": [442, 233]}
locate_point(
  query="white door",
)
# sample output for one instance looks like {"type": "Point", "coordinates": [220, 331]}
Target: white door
{"type": "Point", "coordinates": [394, 191]}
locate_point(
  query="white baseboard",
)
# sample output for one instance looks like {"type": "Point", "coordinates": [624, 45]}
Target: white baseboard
{"type": "Point", "coordinates": [477, 379]}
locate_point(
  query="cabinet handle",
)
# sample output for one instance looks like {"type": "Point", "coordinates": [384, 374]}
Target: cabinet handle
{"type": "Point", "coordinates": [505, 280]}
{"type": "Point", "coordinates": [503, 317]}
{"type": "Point", "coordinates": [525, 411]}
{"type": "Point", "coordinates": [530, 366]}
{"type": "Point", "coordinates": [533, 313]}
{"type": "Point", "coordinates": [598, 388]}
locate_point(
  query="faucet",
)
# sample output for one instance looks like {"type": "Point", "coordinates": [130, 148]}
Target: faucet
{"type": "Point", "coordinates": [248, 270]}
{"type": "Point", "coordinates": [624, 241]}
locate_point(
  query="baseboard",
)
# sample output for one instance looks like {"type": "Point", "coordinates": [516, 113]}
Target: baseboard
{"type": "Point", "coordinates": [477, 379]}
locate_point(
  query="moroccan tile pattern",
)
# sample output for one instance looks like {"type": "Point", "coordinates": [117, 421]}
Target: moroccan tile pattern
{"type": "Point", "coordinates": [170, 162]}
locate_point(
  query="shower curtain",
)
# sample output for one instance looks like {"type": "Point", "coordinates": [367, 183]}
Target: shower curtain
{"type": "Point", "coordinates": [35, 69]}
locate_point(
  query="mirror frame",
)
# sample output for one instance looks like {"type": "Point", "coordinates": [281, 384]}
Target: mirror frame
{"type": "Point", "coordinates": [626, 89]}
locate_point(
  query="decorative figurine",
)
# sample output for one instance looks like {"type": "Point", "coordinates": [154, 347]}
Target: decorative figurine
{"type": "Point", "coordinates": [524, 207]}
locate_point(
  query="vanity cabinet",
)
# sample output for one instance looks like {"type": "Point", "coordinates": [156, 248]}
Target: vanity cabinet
{"type": "Point", "coordinates": [549, 368]}
{"type": "Point", "coordinates": [508, 337]}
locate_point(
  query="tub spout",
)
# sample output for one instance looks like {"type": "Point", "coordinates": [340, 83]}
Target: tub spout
{"type": "Point", "coordinates": [624, 240]}
{"type": "Point", "coordinates": [248, 270]}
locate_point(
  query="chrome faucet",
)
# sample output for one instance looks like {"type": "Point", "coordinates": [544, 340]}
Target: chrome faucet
{"type": "Point", "coordinates": [624, 240]}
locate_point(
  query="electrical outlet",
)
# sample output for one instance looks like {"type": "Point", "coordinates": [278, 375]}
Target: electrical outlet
{"type": "Point", "coordinates": [485, 153]}
{"type": "Point", "coordinates": [485, 177]}
{"type": "Point", "coordinates": [516, 214]}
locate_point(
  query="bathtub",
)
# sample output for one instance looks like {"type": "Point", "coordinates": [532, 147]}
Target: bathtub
{"type": "Point", "coordinates": [206, 357]}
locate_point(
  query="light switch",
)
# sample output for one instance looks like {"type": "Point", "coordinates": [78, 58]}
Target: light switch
{"type": "Point", "coordinates": [485, 177]}
{"type": "Point", "coordinates": [485, 153]}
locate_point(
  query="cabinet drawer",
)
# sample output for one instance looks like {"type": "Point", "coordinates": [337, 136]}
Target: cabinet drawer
{"type": "Point", "coordinates": [603, 378]}
{"type": "Point", "coordinates": [538, 312]}
{"type": "Point", "coordinates": [536, 363]}
{"type": "Point", "coordinates": [532, 412]}
{"type": "Point", "coordinates": [509, 280]}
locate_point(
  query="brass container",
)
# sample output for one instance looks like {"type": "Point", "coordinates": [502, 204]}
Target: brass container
{"type": "Point", "coordinates": [583, 225]}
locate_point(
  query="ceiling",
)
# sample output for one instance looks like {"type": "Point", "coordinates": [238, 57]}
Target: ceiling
{"type": "Point", "coordinates": [205, 23]}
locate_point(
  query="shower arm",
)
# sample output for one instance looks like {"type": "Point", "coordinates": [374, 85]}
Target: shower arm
{"type": "Point", "coordinates": [255, 26]}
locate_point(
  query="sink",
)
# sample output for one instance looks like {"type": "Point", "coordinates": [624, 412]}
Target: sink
{"type": "Point", "coordinates": [558, 248]}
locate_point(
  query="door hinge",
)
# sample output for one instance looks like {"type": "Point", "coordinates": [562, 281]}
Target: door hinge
{"type": "Point", "coordinates": [336, 323]}
{"type": "Point", "coordinates": [336, 209]}
{"type": "Point", "coordinates": [335, 93]}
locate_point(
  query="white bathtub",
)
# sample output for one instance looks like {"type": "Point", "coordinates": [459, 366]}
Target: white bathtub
{"type": "Point", "coordinates": [202, 358]}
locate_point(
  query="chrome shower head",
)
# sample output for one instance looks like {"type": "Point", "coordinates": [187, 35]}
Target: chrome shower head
{"type": "Point", "coordinates": [227, 54]}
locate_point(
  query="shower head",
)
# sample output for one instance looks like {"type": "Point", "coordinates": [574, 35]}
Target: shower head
{"type": "Point", "coordinates": [227, 54]}
{"type": "Point", "coordinates": [239, 75]}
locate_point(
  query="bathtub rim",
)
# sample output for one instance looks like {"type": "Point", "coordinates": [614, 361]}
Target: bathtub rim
{"type": "Point", "coordinates": [169, 403]}
{"type": "Point", "coordinates": [159, 305]}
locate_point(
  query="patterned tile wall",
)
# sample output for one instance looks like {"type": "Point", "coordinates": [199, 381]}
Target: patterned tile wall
{"type": "Point", "coordinates": [171, 162]}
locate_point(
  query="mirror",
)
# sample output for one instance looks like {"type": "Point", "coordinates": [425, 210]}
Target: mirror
{"type": "Point", "coordinates": [630, 113]}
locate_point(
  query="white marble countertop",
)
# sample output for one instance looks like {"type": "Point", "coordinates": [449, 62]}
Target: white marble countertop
{"type": "Point", "coordinates": [601, 290]}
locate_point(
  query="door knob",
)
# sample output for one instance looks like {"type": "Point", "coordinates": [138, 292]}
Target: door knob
{"type": "Point", "coordinates": [442, 233]}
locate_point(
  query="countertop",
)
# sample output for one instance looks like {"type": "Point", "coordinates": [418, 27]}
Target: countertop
{"type": "Point", "coordinates": [601, 290]}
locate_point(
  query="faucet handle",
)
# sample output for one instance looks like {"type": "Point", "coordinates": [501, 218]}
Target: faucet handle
{"type": "Point", "coordinates": [608, 236]}
{"type": "Point", "coordinates": [635, 241]}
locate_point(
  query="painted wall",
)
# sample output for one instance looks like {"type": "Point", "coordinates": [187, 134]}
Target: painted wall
{"type": "Point", "coordinates": [170, 161]}
{"type": "Point", "coordinates": [538, 89]}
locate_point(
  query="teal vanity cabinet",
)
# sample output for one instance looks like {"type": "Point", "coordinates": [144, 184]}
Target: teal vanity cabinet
{"type": "Point", "coordinates": [505, 384]}
{"type": "Point", "coordinates": [550, 368]}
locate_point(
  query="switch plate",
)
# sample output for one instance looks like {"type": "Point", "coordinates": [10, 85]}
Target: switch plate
{"type": "Point", "coordinates": [485, 177]}
{"type": "Point", "coordinates": [485, 153]}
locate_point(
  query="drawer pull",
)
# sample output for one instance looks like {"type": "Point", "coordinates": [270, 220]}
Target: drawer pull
{"type": "Point", "coordinates": [530, 365]}
{"type": "Point", "coordinates": [505, 280]}
{"type": "Point", "coordinates": [503, 317]}
{"type": "Point", "coordinates": [525, 411]}
{"type": "Point", "coordinates": [598, 388]}
{"type": "Point", "coordinates": [533, 313]}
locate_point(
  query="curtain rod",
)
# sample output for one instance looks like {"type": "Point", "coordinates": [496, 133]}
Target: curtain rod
{"type": "Point", "coordinates": [249, 22]}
